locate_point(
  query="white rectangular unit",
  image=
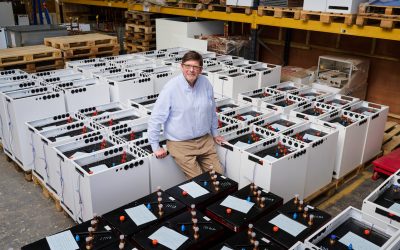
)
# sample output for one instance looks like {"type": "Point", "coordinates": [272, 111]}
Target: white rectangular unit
{"type": "Point", "coordinates": [248, 3]}
{"type": "Point", "coordinates": [245, 64]}
{"type": "Point", "coordinates": [382, 203]}
{"type": "Point", "coordinates": [279, 123]}
{"type": "Point", "coordinates": [229, 152]}
{"type": "Point", "coordinates": [343, 6]}
{"type": "Point", "coordinates": [88, 69]}
{"type": "Point", "coordinates": [278, 164]}
{"type": "Point", "coordinates": [108, 179]}
{"type": "Point", "coordinates": [45, 159]}
{"type": "Point", "coordinates": [11, 75]}
{"type": "Point", "coordinates": [339, 101]}
{"type": "Point", "coordinates": [312, 111]}
{"type": "Point", "coordinates": [120, 117]}
{"type": "Point", "coordinates": [349, 227]}
{"type": "Point", "coordinates": [377, 116]}
{"type": "Point", "coordinates": [164, 173]}
{"type": "Point", "coordinates": [3, 39]}
{"type": "Point", "coordinates": [93, 111]}
{"type": "Point", "coordinates": [144, 104]}
{"type": "Point", "coordinates": [54, 73]}
{"type": "Point", "coordinates": [352, 128]}
{"type": "Point", "coordinates": [76, 63]}
{"type": "Point", "coordinates": [268, 74]}
{"type": "Point", "coordinates": [212, 68]}
{"type": "Point", "coordinates": [313, 94]}
{"type": "Point", "coordinates": [83, 93]}
{"type": "Point", "coordinates": [130, 132]}
{"type": "Point", "coordinates": [23, 106]}
{"type": "Point", "coordinates": [256, 96]}
{"type": "Point", "coordinates": [129, 85]}
{"type": "Point", "coordinates": [249, 114]}
{"type": "Point", "coordinates": [79, 148]}
{"type": "Point", "coordinates": [322, 142]}
{"type": "Point", "coordinates": [283, 103]}
{"type": "Point", "coordinates": [161, 75]}
{"type": "Point", "coordinates": [227, 124]}
{"type": "Point", "coordinates": [315, 5]}
{"type": "Point", "coordinates": [234, 81]}
{"type": "Point", "coordinates": [228, 59]}
{"type": "Point", "coordinates": [103, 73]}
{"type": "Point", "coordinates": [289, 87]}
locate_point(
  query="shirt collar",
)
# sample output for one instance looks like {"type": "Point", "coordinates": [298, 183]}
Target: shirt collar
{"type": "Point", "coordinates": [185, 85]}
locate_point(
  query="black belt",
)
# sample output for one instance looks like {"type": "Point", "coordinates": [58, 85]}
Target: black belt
{"type": "Point", "coordinates": [198, 137]}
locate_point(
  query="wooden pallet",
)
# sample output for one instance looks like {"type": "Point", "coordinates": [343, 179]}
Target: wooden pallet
{"type": "Point", "coordinates": [132, 48]}
{"type": "Point", "coordinates": [129, 27]}
{"type": "Point", "coordinates": [216, 7]}
{"type": "Point", "coordinates": [47, 194]}
{"type": "Point", "coordinates": [325, 17]}
{"type": "Point", "coordinates": [383, 21]}
{"type": "Point", "coordinates": [39, 66]}
{"type": "Point", "coordinates": [20, 55]}
{"type": "Point", "coordinates": [90, 50]}
{"type": "Point", "coordinates": [143, 42]}
{"type": "Point", "coordinates": [80, 41]}
{"type": "Point", "coordinates": [139, 15]}
{"type": "Point", "coordinates": [366, 8]}
{"type": "Point", "coordinates": [27, 174]}
{"type": "Point", "coordinates": [279, 12]}
{"type": "Point", "coordinates": [238, 9]}
{"type": "Point", "coordinates": [145, 37]}
{"type": "Point", "coordinates": [192, 6]}
{"type": "Point", "coordinates": [391, 137]}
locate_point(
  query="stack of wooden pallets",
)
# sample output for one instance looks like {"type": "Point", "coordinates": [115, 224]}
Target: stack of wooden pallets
{"type": "Point", "coordinates": [84, 46]}
{"type": "Point", "coordinates": [31, 58]}
{"type": "Point", "coordinates": [387, 17]}
{"type": "Point", "coordinates": [140, 31]}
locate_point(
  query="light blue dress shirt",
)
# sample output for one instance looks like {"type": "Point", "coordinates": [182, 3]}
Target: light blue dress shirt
{"type": "Point", "coordinates": [186, 112]}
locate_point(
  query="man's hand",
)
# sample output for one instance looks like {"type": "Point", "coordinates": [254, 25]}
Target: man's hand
{"type": "Point", "coordinates": [160, 153]}
{"type": "Point", "coordinates": [219, 139]}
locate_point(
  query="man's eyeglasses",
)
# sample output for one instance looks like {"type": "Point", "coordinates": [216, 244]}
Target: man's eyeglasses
{"type": "Point", "coordinates": [187, 66]}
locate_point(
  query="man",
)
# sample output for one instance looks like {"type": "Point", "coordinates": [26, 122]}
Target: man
{"type": "Point", "coordinates": [186, 108]}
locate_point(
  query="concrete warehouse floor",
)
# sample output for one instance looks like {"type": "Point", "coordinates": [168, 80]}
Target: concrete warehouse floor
{"type": "Point", "coordinates": [27, 216]}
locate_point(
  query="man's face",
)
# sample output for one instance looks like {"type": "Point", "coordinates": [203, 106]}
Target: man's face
{"type": "Point", "coordinates": [191, 70]}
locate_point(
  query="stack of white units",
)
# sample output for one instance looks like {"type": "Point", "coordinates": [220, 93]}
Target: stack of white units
{"type": "Point", "coordinates": [289, 87]}
{"type": "Point", "coordinates": [83, 93]}
{"type": "Point", "coordinates": [333, 6]}
{"type": "Point", "coordinates": [313, 94]}
{"type": "Point", "coordinates": [279, 123]}
{"type": "Point", "coordinates": [283, 103]}
{"type": "Point", "coordinates": [44, 158]}
{"type": "Point", "coordinates": [93, 111]}
{"type": "Point", "coordinates": [339, 101]}
{"type": "Point", "coordinates": [312, 111]}
{"type": "Point", "coordinates": [249, 114]}
{"type": "Point", "coordinates": [108, 179]}
{"type": "Point", "coordinates": [352, 131]}
{"type": "Point", "coordinates": [268, 74]}
{"type": "Point", "coordinates": [283, 173]}
{"type": "Point", "coordinates": [120, 117]}
{"type": "Point", "coordinates": [322, 146]}
{"type": "Point", "coordinates": [234, 81]}
{"type": "Point", "coordinates": [256, 96]}
{"type": "Point", "coordinates": [379, 203]}
{"type": "Point", "coordinates": [377, 116]}
{"type": "Point", "coordinates": [164, 173]}
{"type": "Point", "coordinates": [225, 104]}
{"type": "Point", "coordinates": [144, 104]}
{"type": "Point", "coordinates": [361, 221]}
{"type": "Point", "coordinates": [129, 85]}
{"type": "Point", "coordinates": [130, 132]}
{"type": "Point", "coordinates": [161, 75]}
{"type": "Point", "coordinates": [229, 152]}
{"type": "Point", "coordinates": [73, 150]}
{"type": "Point", "coordinates": [23, 106]}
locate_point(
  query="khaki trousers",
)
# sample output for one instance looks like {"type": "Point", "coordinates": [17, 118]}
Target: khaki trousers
{"type": "Point", "coordinates": [195, 156]}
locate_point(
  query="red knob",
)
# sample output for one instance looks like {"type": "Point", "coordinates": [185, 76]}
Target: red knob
{"type": "Point", "coordinates": [367, 232]}
{"type": "Point", "coordinates": [275, 229]}
{"type": "Point", "coordinates": [228, 211]}
{"type": "Point", "coordinates": [154, 242]}
{"type": "Point", "coordinates": [122, 218]}
{"type": "Point", "coordinates": [184, 193]}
